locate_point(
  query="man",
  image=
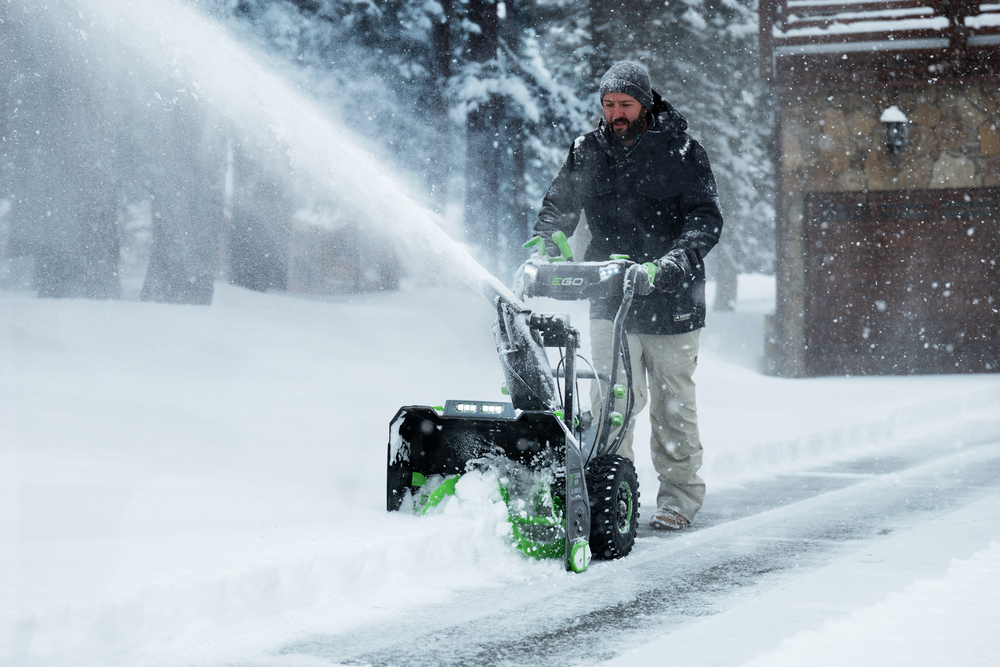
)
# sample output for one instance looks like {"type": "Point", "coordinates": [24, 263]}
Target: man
{"type": "Point", "coordinates": [648, 192]}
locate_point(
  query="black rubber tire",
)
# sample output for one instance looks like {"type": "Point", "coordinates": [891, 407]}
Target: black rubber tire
{"type": "Point", "coordinates": [614, 506]}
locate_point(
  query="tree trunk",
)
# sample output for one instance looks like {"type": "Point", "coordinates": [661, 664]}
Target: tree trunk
{"type": "Point", "coordinates": [262, 213]}
{"type": "Point", "coordinates": [439, 168]}
{"type": "Point", "coordinates": [187, 203]}
{"type": "Point", "coordinates": [482, 180]}
{"type": "Point", "coordinates": [517, 214]}
{"type": "Point", "coordinates": [726, 282]}
{"type": "Point", "coordinates": [617, 29]}
{"type": "Point", "coordinates": [520, 215]}
{"type": "Point", "coordinates": [602, 29]}
{"type": "Point", "coordinates": [482, 169]}
{"type": "Point", "coordinates": [60, 165]}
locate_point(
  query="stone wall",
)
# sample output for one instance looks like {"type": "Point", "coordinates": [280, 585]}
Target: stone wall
{"type": "Point", "coordinates": [834, 142]}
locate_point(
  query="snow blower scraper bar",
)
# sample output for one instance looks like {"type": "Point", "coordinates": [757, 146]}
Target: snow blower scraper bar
{"type": "Point", "coordinates": [541, 430]}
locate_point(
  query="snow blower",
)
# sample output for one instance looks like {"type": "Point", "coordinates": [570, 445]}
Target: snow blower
{"type": "Point", "coordinates": [568, 494]}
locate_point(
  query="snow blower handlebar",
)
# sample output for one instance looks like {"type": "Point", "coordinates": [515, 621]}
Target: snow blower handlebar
{"type": "Point", "coordinates": [521, 336]}
{"type": "Point", "coordinates": [561, 243]}
{"type": "Point", "coordinates": [615, 280]}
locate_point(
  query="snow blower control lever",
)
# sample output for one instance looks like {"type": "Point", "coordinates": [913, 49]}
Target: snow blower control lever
{"type": "Point", "coordinates": [568, 493]}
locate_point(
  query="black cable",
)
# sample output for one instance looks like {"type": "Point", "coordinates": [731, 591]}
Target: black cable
{"type": "Point", "coordinates": [500, 306]}
{"type": "Point", "coordinates": [627, 357]}
{"type": "Point", "coordinates": [521, 380]}
{"type": "Point", "coordinates": [595, 419]}
{"type": "Point", "coordinates": [562, 360]}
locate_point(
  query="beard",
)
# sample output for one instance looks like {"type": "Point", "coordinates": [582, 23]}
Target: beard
{"type": "Point", "coordinates": [632, 130]}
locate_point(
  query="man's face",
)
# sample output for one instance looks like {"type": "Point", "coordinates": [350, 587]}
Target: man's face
{"type": "Point", "coordinates": [624, 115]}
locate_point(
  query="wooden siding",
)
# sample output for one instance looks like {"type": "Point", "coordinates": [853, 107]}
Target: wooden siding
{"type": "Point", "coordinates": [902, 282]}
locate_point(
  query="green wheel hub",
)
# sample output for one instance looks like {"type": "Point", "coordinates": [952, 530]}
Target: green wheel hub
{"type": "Point", "coordinates": [625, 506]}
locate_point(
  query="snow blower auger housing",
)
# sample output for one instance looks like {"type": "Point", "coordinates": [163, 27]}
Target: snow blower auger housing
{"type": "Point", "coordinates": [585, 497]}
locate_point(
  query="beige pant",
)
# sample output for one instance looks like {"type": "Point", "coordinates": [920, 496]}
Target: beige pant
{"type": "Point", "coordinates": [666, 364]}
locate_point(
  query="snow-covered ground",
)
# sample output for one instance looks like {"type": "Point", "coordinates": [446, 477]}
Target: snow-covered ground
{"type": "Point", "coordinates": [202, 485]}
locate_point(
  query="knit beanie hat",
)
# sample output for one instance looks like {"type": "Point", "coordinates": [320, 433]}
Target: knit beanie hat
{"type": "Point", "coordinates": [629, 78]}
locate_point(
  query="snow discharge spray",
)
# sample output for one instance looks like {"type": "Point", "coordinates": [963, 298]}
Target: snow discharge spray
{"type": "Point", "coordinates": [168, 51]}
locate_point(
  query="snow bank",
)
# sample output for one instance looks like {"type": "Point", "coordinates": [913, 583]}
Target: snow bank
{"type": "Point", "coordinates": [870, 581]}
{"type": "Point", "coordinates": [951, 620]}
{"type": "Point", "coordinates": [187, 484]}
{"type": "Point", "coordinates": [168, 471]}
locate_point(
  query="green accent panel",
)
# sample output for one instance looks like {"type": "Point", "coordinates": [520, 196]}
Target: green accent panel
{"type": "Point", "coordinates": [617, 257]}
{"type": "Point", "coordinates": [439, 408]}
{"type": "Point", "coordinates": [504, 390]}
{"type": "Point", "coordinates": [617, 419]}
{"type": "Point", "coordinates": [619, 391]}
{"type": "Point", "coordinates": [524, 528]}
{"type": "Point", "coordinates": [417, 479]}
{"type": "Point", "coordinates": [579, 556]}
{"type": "Point", "coordinates": [563, 244]}
{"type": "Point", "coordinates": [447, 488]}
{"type": "Point", "coordinates": [651, 270]}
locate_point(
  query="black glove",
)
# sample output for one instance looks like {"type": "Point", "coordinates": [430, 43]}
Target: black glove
{"type": "Point", "coordinates": [669, 272]}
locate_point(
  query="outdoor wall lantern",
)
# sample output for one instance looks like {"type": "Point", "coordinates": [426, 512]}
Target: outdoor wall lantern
{"type": "Point", "coordinates": [895, 122]}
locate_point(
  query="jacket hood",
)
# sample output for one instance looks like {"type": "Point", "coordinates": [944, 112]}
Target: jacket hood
{"type": "Point", "coordinates": [668, 119]}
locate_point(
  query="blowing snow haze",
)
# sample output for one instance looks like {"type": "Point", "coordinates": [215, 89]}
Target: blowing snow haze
{"type": "Point", "coordinates": [149, 108]}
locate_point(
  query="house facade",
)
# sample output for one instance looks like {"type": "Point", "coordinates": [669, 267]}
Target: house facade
{"type": "Point", "coordinates": [888, 185]}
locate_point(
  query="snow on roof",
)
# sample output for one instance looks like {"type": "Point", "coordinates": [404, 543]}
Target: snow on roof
{"type": "Point", "coordinates": [983, 20]}
{"type": "Point", "coordinates": [826, 3]}
{"type": "Point", "coordinates": [798, 19]}
{"type": "Point", "coordinates": [874, 45]}
{"type": "Point", "coordinates": [836, 28]}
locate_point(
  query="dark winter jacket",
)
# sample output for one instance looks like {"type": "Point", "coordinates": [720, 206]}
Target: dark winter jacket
{"type": "Point", "coordinates": [659, 197]}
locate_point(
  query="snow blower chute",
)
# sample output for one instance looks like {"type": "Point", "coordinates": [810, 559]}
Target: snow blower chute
{"type": "Point", "coordinates": [568, 493]}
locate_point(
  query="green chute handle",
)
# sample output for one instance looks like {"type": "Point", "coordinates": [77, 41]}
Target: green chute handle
{"type": "Point", "coordinates": [559, 238]}
{"type": "Point", "coordinates": [538, 244]}
{"type": "Point", "coordinates": [617, 257]}
{"type": "Point", "coordinates": [435, 497]}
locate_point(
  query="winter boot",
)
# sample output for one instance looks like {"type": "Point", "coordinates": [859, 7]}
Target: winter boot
{"type": "Point", "coordinates": [667, 519]}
